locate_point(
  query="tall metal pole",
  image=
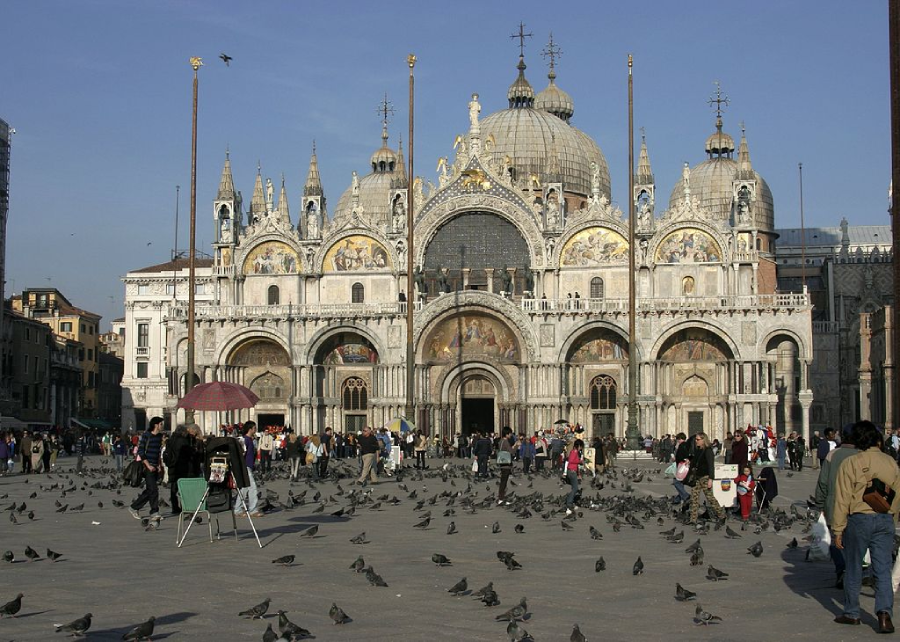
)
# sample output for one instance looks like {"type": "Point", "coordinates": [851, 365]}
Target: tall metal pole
{"type": "Point", "coordinates": [632, 435]}
{"type": "Point", "coordinates": [802, 234]}
{"type": "Point", "coordinates": [894, 41]}
{"type": "Point", "coordinates": [410, 298]}
{"type": "Point", "coordinates": [175, 250]}
{"type": "Point", "coordinates": [196, 63]}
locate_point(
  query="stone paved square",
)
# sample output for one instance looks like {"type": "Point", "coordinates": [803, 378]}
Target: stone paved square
{"type": "Point", "coordinates": [123, 574]}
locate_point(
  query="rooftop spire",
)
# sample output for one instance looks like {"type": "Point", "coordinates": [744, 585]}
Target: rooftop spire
{"type": "Point", "coordinates": [226, 183]}
{"type": "Point", "coordinates": [719, 144]}
{"type": "Point", "coordinates": [258, 201]}
{"type": "Point", "coordinates": [745, 167]}
{"type": "Point", "coordinates": [520, 93]}
{"type": "Point", "coordinates": [283, 210]}
{"type": "Point", "coordinates": [644, 173]}
{"type": "Point", "coordinates": [313, 186]}
{"type": "Point", "coordinates": [386, 110]}
{"type": "Point", "coordinates": [400, 180]}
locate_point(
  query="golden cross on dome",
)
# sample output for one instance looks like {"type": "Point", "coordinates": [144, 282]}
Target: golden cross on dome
{"type": "Point", "coordinates": [385, 110]}
{"type": "Point", "coordinates": [551, 51]}
{"type": "Point", "coordinates": [719, 100]}
{"type": "Point", "coordinates": [521, 36]}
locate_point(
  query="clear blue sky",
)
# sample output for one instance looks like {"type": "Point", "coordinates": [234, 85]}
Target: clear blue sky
{"type": "Point", "coordinates": [99, 92]}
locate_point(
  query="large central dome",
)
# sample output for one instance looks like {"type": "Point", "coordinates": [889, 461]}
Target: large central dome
{"type": "Point", "coordinates": [531, 136]}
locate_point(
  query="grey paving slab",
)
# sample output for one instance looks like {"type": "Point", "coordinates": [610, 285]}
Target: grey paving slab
{"type": "Point", "coordinates": [123, 575]}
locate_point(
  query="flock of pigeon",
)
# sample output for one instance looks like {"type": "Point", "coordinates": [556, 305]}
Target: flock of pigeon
{"type": "Point", "coordinates": [611, 496]}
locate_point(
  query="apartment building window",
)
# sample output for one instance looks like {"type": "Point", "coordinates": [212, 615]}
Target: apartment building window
{"type": "Point", "coordinates": [90, 380]}
{"type": "Point", "coordinates": [26, 364]}
{"type": "Point", "coordinates": [143, 289]}
{"type": "Point", "coordinates": [199, 288]}
{"type": "Point", "coordinates": [65, 326]}
{"type": "Point", "coordinates": [82, 328]}
{"type": "Point", "coordinates": [90, 354]}
{"type": "Point", "coordinates": [28, 334]}
{"type": "Point", "coordinates": [170, 289]}
{"type": "Point", "coordinates": [141, 370]}
{"type": "Point", "coordinates": [143, 332]}
{"type": "Point", "coordinates": [36, 369]}
{"type": "Point", "coordinates": [90, 329]}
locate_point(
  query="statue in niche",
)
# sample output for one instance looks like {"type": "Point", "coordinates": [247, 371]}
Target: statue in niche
{"type": "Point", "coordinates": [743, 203]}
{"type": "Point", "coordinates": [643, 245]}
{"type": "Point", "coordinates": [552, 211]}
{"type": "Point", "coordinates": [398, 214]}
{"type": "Point", "coordinates": [225, 229]}
{"type": "Point", "coordinates": [312, 220]}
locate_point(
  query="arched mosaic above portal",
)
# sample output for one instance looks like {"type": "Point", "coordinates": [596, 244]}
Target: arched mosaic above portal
{"type": "Point", "coordinates": [471, 336]}
{"type": "Point", "coordinates": [271, 257]}
{"type": "Point", "coordinates": [356, 253]}
{"type": "Point", "coordinates": [688, 245]}
{"type": "Point", "coordinates": [598, 346]}
{"type": "Point", "coordinates": [694, 344]}
{"type": "Point", "coordinates": [594, 246]}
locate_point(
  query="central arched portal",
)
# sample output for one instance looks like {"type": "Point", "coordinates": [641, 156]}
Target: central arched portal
{"type": "Point", "coordinates": [477, 404]}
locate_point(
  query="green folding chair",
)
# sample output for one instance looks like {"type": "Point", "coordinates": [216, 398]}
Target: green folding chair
{"type": "Point", "coordinates": [192, 495]}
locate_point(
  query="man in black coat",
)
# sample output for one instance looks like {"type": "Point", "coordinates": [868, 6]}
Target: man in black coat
{"type": "Point", "coordinates": [182, 458]}
{"type": "Point", "coordinates": [482, 451]}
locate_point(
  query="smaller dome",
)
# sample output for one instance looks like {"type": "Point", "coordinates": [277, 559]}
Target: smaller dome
{"type": "Point", "coordinates": [520, 93]}
{"type": "Point", "coordinates": [719, 143]}
{"type": "Point", "coordinates": [555, 100]}
{"type": "Point", "coordinates": [384, 159]}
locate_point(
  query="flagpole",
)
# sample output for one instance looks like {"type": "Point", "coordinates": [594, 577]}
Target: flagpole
{"type": "Point", "coordinates": [410, 298]}
{"type": "Point", "coordinates": [631, 430]}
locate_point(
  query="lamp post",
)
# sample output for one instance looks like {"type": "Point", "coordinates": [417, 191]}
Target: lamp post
{"type": "Point", "coordinates": [894, 62]}
{"type": "Point", "coordinates": [196, 63]}
{"type": "Point", "coordinates": [410, 299]}
{"type": "Point", "coordinates": [631, 431]}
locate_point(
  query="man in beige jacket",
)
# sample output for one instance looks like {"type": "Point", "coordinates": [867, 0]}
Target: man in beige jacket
{"type": "Point", "coordinates": [857, 527]}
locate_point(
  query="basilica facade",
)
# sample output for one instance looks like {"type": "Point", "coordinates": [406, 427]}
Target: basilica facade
{"type": "Point", "coordinates": [521, 311]}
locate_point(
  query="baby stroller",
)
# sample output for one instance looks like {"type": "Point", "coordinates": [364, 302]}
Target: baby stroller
{"type": "Point", "coordinates": [766, 488]}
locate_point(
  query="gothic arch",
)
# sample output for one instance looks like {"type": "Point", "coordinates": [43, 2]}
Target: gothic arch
{"type": "Point", "coordinates": [569, 342]}
{"type": "Point", "coordinates": [430, 221]}
{"type": "Point", "coordinates": [449, 377]}
{"type": "Point", "coordinates": [242, 251]}
{"type": "Point", "coordinates": [663, 233]}
{"type": "Point", "coordinates": [712, 328]}
{"type": "Point", "coordinates": [616, 226]}
{"type": "Point", "coordinates": [239, 336]}
{"type": "Point", "coordinates": [790, 335]}
{"type": "Point", "coordinates": [319, 338]}
{"type": "Point", "coordinates": [472, 302]}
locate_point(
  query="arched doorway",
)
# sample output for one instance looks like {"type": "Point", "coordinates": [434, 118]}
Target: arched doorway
{"type": "Point", "coordinates": [477, 401]}
{"type": "Point", "coordinates": [354, 403]}
{"type": "Point", "coordinates": [603, 406]}
{"type": "Point", "coordinates": [265, 367]}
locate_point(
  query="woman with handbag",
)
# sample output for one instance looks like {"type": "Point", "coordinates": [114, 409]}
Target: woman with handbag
{"type": "Point", "coordinates": [701, 476]}
{"type": "Point", "coordinates": [682, 466]}
{"type": "Point", "coordinates": [574, 460]}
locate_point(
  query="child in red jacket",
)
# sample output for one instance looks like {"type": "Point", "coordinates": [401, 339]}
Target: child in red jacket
{"type": "Point", "coordinates": [745, 486]}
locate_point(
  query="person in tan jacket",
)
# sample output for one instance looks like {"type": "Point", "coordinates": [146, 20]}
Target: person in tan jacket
{"type": "Point", "coordinates": [857, 527]}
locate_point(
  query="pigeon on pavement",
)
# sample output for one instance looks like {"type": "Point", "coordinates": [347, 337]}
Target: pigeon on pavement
{"type": "Point", "coordinates": [460, 587]}
{"type": "Point", "coordinates": [481, 592]}
{"type": "Point", "coordinates": [256, 612]}
{"type": "Point", "coordinates": [756, 550]}
{"type": "Point", "coordinates": [76, 627]}
{"type": "Point", "coordinates": [704, 618]}
{"type": "Point", "coordinates": [32, 554]}
{"type": "Point", "coordinates": [440, 560]}
{"type": "Point", "coordinates": [285, 560]}
{"type": "Point", "coordinates": [13, 606]}
{"type": "Point", "coordinates": [144, 630]}
{"type": "Point", "coordinates": [358, 564]}
{"type": "Point", "coordinates": [638, 568]}
{"type": "Point", "coordinates": [53, 555]}
{"type": "Point", "coordinates": [595, 534]}
{"type": "Point", "coordinates": [517, 612]}
{"type": "Point", "coordinates": [451, 528]}
{"type": "Point", "coordinates": [495, 528]}
{"type": "Point", "coordinates": [714, 574]}
{"type": "Point", "coordinates": [730, 534]}
{"type": "Point", "coordinates": [359, 539]}
{"type": "Point", "coordinates": [288, 629]}
{"type": "Point", "coordinates": [311, 531]}
{"type": "Point", "coordinates": [9, 557]}
{"type": "Point", "coordinates": [682, 594]}
{"type": "Point", "coordinates": [337, 614]}
{"type": "Point", "coordinates": [600, 565]}
{"type": "Point", "coordinates": [577, 635]}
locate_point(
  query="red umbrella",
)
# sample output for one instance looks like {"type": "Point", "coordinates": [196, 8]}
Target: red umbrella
{"type": "Point", "coordinates": [218, 395]}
